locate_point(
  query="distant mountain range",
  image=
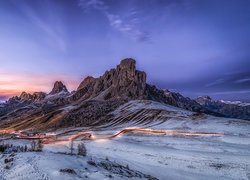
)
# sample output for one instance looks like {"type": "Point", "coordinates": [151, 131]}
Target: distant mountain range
{"type": "Point", "coordinates": [235, 109]}
{"type": "Point", "coordinates": [91, 103]}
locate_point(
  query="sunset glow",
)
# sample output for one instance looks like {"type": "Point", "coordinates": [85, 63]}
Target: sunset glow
{"type": "Point", "coordinates": [14, 84]}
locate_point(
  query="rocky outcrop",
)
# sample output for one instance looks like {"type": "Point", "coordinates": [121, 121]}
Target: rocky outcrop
{"type": "Point", "coordinates": [123, 82]}
{"type": "Point", "coordinates": [126, 83]}
{"type": "Point", "coordinates": [39, 96]}
{"type": "Point", "coordinates": [172, 98]}
{"type": "Point", "coordinates": [227, 109]}
{"type": "Point", "coordinates": [86, 82]}
{"type": "Point", "coordinates": [202, 100]}
{"type": "Point", "coordinates": [36, 96]}
{"type": "Point", "coordinates": [58, 88]}
{"type": "Point", "coordinates": [26, 96]}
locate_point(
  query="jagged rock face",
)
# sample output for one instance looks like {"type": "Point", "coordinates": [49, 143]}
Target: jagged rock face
{"type": "Point", "coordinates": [86, 82]}
{"type": "Point", "coordinates": [172, 98]}
{"type": "Point", "coordinates": [36, 96]}
{"type": "Point", "coordinates": [39, 96]}
{"type": "Point", "coordinates": [58, 87]}
{"type": "Point", "coordinates": [26, 96]}
{"type": "Point", "coordinates": [85, 89]}
{"type": "Point", "coordinates": [123, 82]}
{"type": "Point", "coordinates": [132, 82]}
{"type": "Point", "coordinates": [202, 100]}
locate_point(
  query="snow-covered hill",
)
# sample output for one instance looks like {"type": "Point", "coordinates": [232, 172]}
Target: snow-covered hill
{"type": "Point", "coordinates": [140, 156]}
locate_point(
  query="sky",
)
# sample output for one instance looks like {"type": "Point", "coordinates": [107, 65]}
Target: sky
{"type": "Point", "coordinates": [195, 47]}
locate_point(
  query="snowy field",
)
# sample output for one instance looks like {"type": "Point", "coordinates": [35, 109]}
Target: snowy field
{"type": "Point", "coordinates": [140, 156]}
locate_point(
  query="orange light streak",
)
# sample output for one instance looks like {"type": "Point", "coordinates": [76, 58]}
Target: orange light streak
{"type": "Point", "coordinates": [48, 139]}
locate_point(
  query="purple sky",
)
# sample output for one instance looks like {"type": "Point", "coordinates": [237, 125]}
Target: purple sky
{"type": "Point", "coordinates": [190, 46]}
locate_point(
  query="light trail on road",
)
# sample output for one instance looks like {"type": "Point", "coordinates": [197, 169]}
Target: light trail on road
{"type": "Point", "coordinates": [91, 136]}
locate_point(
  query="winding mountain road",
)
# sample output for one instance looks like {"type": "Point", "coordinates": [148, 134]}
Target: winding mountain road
{"type": "Point", "coordinates": [47, 139]}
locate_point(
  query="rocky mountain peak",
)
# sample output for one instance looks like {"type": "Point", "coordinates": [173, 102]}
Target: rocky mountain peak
{"type": "Point", "coordinates": [126, 71]}
{"type": "Point", "coordinates": [127, 65]}
{"type": "Point", "coordinates": [88, 80]}
{"type": "Point", "coordinates": [32, 97]}
{"type": "Point", "coordinates": [122, 82]}
{"type": "Point", "coordinates": [206, 97]}
{"type": "Point", "coordinates": [58, 87]}
{"type": "Point", "coordinates": [26, 96]}
{"type": "Point", "coordinates": [203, 100]}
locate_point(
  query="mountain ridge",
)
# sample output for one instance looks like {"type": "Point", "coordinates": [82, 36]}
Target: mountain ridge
{"type": "Point", "coordinates": [93, 100]}
{"type": "Point", "coordinates": [228, 109]}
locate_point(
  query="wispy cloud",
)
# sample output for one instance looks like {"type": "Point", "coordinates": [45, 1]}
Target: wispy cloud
{"type": "Point", "coordinates": [216, 82]}
{"type": "Point", "coordinates": [128, 25]}
{"type": "Point", "coordinates": [96, 4]}
{"type": "Point", "coordinates": [49, 24]}
{"type": "Point", "coordinates": [244, 80]}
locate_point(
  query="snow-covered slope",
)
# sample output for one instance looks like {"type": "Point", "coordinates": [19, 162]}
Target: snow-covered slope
{"type": "Point", "coordinates": [163, 157]}
{"type": "Point", "coordinates": [171, 157]}
{"type": "Point", "coordinates": [239, 103]}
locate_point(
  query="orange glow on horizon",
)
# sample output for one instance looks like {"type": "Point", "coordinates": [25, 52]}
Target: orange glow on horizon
{"type": "Point", "coordinates": [15, 84]}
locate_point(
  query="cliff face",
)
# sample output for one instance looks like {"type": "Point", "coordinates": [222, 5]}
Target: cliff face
{"type": "Point", "coordinates": [123, 82]}
{"type": "Point", "coordinates": [126, 83]}
{"type": "Point", "coordinates": [36, 96]}
{"type": "Point", "coordinates": [172, 98]}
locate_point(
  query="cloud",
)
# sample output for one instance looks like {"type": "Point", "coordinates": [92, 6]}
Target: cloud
{"type": "Point", "coordinates": [216, 82]}
{"type": "Point", "coordinates": [49, 24]}
{"type": "Point", "coordinates": [128, 25]}
{"type": "Point", "coordinates": [242, 80]}
{"type": "Point", "coordinates": [96, 4]}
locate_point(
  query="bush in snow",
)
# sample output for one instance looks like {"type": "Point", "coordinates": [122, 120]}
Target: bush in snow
{"type": "Point", "coordinates": [67, 170]}
{"type": "Point", "coordinates": [36, 145]}
{"type": "Point", "coordinates": [25, 148]}
{"type": "Point", "coordinates": [2, 148]}
{"type": "Point", "coordinates": [39, 145]}
{"type": "Point", "coordinates": [10, 148]}
{"type": "Point", "coordinates": [82, 151]}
